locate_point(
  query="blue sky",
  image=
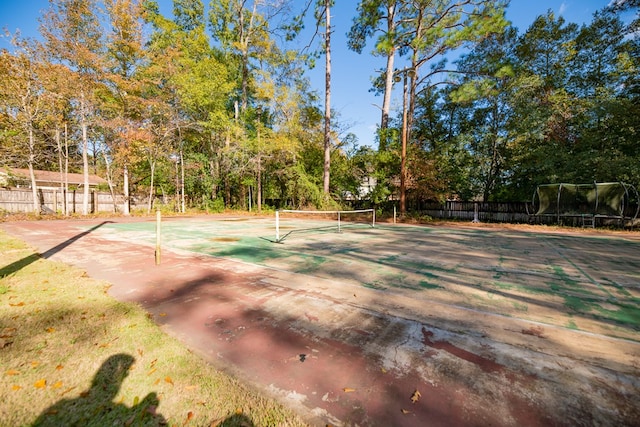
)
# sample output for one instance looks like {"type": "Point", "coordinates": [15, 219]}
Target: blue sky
{"type": "Point", "coordinates": [351, 72]}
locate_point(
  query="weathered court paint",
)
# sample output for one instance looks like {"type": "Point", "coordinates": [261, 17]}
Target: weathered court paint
{"type": "Point", "coordinates": [495, 326]}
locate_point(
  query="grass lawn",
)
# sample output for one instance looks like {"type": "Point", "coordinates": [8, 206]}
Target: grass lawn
{"type": "Point", "coordinates": [72, 355]}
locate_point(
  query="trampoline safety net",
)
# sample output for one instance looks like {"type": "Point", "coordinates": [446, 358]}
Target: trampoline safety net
{"type": "Point", "coordinates": [611, 199]}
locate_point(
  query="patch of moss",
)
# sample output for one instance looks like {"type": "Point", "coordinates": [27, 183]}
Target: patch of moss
{"type": "Point", "coordinates": [578, 305]}
{"type": "Point", "coordinates": [625, 314]}
{"type": "Point", "coordinates": [427, 285]}
{"type": "Point", "coordinates": [503, 285]}
{"type": "Point", "coordinates": [571, 324]}
{"type": "Point", "coordinates": [520, 306]}
{"type": "Point", "coordinates": [375, 285]}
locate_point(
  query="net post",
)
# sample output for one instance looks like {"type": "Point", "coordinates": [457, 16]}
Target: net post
{"type": "Point", "coordinates": [158, 237]}
{"type": "Point", "coordinates": [277, 226]}
{"type": "Point", "coordinates": [373, 224]}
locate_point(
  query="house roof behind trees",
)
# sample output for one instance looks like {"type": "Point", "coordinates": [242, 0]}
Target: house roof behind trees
{"type": "Point", "coordinates": [47, 178]}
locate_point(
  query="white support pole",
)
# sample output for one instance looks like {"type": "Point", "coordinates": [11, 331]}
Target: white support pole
{"type": "Point", "coordinates": [338, 221]}
{"type": "Point", "coordinates": [277, 226]}
{"type": "Point", "coordinates": [373, 224]}
{"type": "Point", "coordinates": [158, 238]}
{"type": "Point", "coordinates": [475, 213]}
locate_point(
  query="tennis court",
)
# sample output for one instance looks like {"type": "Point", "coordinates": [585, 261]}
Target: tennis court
{"type": "Point", "coordinates": [497, 325]}
{"type": "Point", "coordinates": [534, 301]}
{"type": "Point", "coordinates": [584, 282]}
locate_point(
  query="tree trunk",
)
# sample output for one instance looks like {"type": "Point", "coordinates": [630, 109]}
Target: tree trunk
{"type": "Point", "coordinates": [125, 206]}
{"type": "Point", "coordinates": [388, 85]}
{"type": "Point", "coordinates": [403, 153]}
{"type": "Point", "coordinates": [182, 207]}
{"type": "Point", "coordinates": [62, 170]}
{"type": "Point", "coordinates": [34, 189]}
{"type": "Point", "coordinates": [259, 186]}
{"type": "Point", "coordinates": [112, 191]}
{"type": "Point", "coordinates": [85, 158]}
{"type": "Point", "coordinates": [214, 167]}
{"type": "Point", "coordinates": [66, 170]}
{"type": "Point", "coordinates": [152, 166]}
{"type": "Point", "coordinates": [327, 103]}
{"type": "Point", "coordinates": [386, 102]}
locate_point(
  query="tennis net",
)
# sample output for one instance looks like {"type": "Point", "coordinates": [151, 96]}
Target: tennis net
{"type": "Point", "coordinates": [324, 220]}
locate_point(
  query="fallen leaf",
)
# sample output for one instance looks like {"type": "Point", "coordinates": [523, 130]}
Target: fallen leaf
{"type": "Point", "coordinates": [140, 352]}
{"type": "Point", "coordinates": [404, 411]}
{"type": "Point", "coordinates": [51, 330]}
{"type": "Point", "coordinates": [7, 332]}
{"type": "Point", "coordinates": [35, 364]}
{"type": "Point", "coordinates": [384, 371]}
{"type": "Point", "coordinates": [189, 417]}
{"type": "Point", "coordinates": [12, 372]}
{"type": "Point", "coordinates": [168, 380]}
{"type": "Point", "coordinates": [20, 304]}
{"type": "Point", "coordinates": [415, 396]}
{"type": "Point", "coordinates": [57, 384]}
{"type": "Point", "coordinates": [66, 391]}
{"type": "Point", "coordinates": [59, 367]}
{"type": "Point", "coordinates": [348, 390]}
{"type": "Point", "coordinates": [163, 314]}
{"type": "Point", "coordinates": [136, 400]}
{"type": "Point", "coordinates": [151, 371]}
{"type": "Point", "coordinates": [157, 382]}
{"type": "Point", "coordinates": [40, 383]}
{"type": "Point", "coordinates": [15, 387]}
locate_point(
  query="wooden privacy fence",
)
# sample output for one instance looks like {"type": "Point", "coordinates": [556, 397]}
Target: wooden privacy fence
{"type": "Point", "coordinates": [482, 211]}
{"type": "Point", "coordinates": [52, 200]}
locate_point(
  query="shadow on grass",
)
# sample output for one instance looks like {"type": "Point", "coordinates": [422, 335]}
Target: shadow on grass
{"type": "Point", "coordinates": [24, 262]}
{"type": "Point", "coordinates": [95, 407]}
{"type": "Point", "coordinates": [236, 420]}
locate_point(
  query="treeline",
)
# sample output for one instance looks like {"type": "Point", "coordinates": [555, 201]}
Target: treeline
{"type": "Point", "coordinates": [210, 108]}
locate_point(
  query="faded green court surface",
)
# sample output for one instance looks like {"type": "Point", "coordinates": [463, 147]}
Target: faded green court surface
{"type": "Point", "coordinates": [583, 281]}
